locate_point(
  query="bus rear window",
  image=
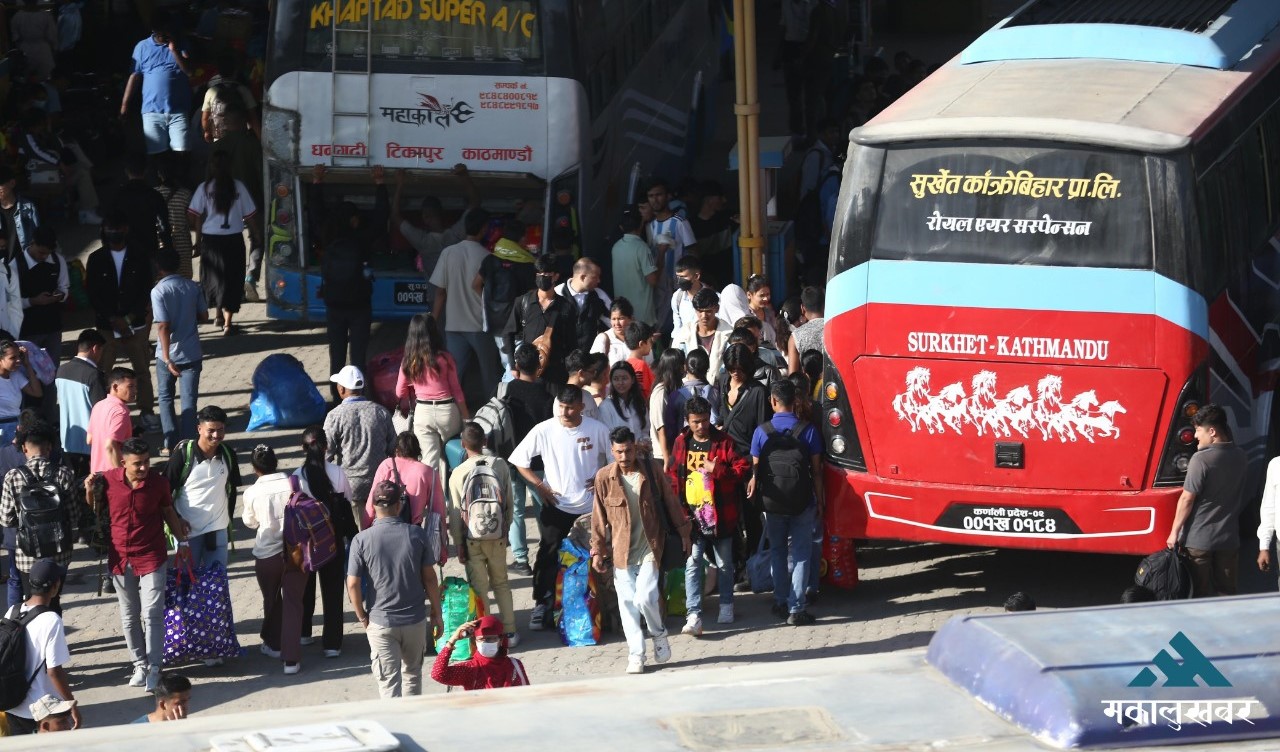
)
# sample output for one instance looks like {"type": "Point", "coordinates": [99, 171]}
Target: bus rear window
{"type": "Point", "coordinates": [1049, 206]}
{"type": "Point", "coordinates": [461, 30]}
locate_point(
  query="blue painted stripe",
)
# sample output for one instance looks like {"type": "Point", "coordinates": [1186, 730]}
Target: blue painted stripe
{"type": "Point", "coordinates": [1028, 288]}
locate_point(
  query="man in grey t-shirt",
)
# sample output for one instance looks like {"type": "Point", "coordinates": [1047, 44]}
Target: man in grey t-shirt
{"type": "Point", "coordinates": [393, 555]}
{"type": "Point", "coordinates": [1210, 505]}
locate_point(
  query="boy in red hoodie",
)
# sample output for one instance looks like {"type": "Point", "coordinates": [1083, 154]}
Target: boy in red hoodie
{"type": "Point", "coordinates": [707, 472]}
{"type": "Point", "coordinates": [490, 665]}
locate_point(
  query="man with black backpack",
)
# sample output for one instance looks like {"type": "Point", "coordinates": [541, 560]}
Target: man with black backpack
{"type": "Point", "coordinates": [480, 513]}
{"type": "Point", "coordinates": [33, 651]}
{"type": "Point", "coordinates": [39, 501]}
{"type": "Point", "coordinates": [506, 274]}
{"type": "Point", "coordinates": [345, 276]}
{"type": "Point", "coordinates": [204, 475]}
{"type": "Point", "coordinates": [787, 453]}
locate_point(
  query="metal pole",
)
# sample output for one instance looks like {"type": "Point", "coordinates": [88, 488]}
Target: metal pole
{"type": "Point", "coordinates": [746, 109]}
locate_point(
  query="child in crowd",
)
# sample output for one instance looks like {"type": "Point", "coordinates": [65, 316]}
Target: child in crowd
{"type": "Point", "coordinates": [639, 336]}
{"type": "Point", "coordinates": [489, 668]}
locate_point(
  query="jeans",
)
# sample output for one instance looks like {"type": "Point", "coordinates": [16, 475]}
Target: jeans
{"type": "Point", "coordinates": [463, 345]}
{"type": "Point", "coordinates": [142, 614]}
{"type": "Point", "coordinates": [349, 326]}
{"type": "Point", "coordinates": [188, 383]}
{"type": "Point", "coordinates": [209, 547]}
{"type": "Point", "coordinates": [165, 131]}
{"type": "Point", "coordinates": [637, 587]}
{"type": "Point", "coordinates": [255, 265]}
{"type": "Point", "coordinates": [793, 533]}
{"type": "Point", "coordinates": [694, 575]}
{"type": "Point", "coordinates": [14, 595]}
{"type": "Point", "coordinates": [396, 655]}
{"type": "Point", "coordinates": [505, 355]}
{"type": "Point", "coordinates": [518, 537]}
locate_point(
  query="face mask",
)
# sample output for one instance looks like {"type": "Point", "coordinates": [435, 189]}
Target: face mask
{"type": "Point", "coordinates": [544, 282]}
{"type": "Point", "coordinates": [684, 284]}
{"type": "Point", "coordinates": [488, 649]}
{"type": "Point", "coordinates": [114, 237]}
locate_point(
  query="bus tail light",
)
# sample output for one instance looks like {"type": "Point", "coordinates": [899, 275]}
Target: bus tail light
{"type": "Point", "coordinates": [1181, 441]}
{"type": "Point", "coordinates": [839, 433]}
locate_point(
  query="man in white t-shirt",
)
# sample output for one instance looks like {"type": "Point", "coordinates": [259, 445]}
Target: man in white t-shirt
{"type": "Point", "coordinates": [459, 303]}
{"type": "Point", "coordinates": [47, 651]}
{"type": "Point", "coordinates": [431, 237]}
{"type": "Point", "coordinates": [573, 449]}
{"type": "Point", "coordinates": [204, 476]}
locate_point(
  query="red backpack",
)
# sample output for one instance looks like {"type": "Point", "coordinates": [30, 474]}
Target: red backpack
{"type": "Point", "coordinates": [309, 539]}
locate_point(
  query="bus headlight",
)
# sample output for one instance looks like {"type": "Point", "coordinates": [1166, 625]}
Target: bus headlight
{"type": "Point", "coordinates": [1181, 462]}
{"type": "Point", "coordinates": [284, 250]}
{"type": "Point", "coordinates": [837, 445]}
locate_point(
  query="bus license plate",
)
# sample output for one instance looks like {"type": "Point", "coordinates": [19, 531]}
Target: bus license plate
{"type": "Point", "coordinates": [1006, 520]}
{"type": "Point", "coordinates": [411, 293]}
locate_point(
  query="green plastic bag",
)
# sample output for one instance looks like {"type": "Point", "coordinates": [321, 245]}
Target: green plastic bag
{"type": "Point", "coordinates": [673, 592]}
{"type": "Point", "coordinates": [459, 605]}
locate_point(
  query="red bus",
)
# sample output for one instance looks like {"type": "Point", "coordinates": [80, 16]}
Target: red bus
{"type": "Point", "coordinates": [1046, 257]}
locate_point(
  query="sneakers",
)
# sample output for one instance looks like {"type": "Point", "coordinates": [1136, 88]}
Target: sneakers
{"type": "Point", "coordinates": [692, 626]}
{"type": "Point", "coordinates": [153, 678]}
{"type": "Point", "coordinates": [513, 639]}
{"type": "Point", "coordinates": [212, 662]}
{"type": "Point", "coordinates": [89, 217]}
{"type": "Point", "coordinates": [149, 421]}
{"type": "Point", "coordinates": [268, 652]}
{"type": "Point", "coordinates": [332, 653]}
{"type": "Point", "coordinates": [522, 568]}
{"type": "Point", "coordinates": [538, 619]}
{"type": "Point", "coordinates": [800, 619]}
{"type": "Point", "coordinates": [661, 649]}
{"type": "Point", "coordinates": [139, 678]}
{"type": "Point", "coordinates": [779, 610]}
{"type": "Point", "coordinates": [635, 665]}
{"type": "Point", "coordinates": [726, 614]}
{"type": "Point", "coordinates": [307, 641]}
{"type": "Point", "coordinates": [292, 668]}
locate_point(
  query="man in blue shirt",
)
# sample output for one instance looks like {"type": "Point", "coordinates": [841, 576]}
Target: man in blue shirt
{"type": "Point", "coordinates": [179, 308]}
{"type": "Point", "coordinates": [162, 63]}
{"type": "Point", "coordinates": [791, 515]}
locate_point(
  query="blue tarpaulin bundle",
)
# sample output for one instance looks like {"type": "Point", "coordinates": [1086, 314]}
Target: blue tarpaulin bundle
{"type": "Point", "coordinates": [283, 395]}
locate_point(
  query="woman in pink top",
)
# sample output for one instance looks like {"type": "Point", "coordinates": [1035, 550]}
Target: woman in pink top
{"type": "Point", "coordinates": [421, 481]}
{"type": "Point", "coordinates": [429, 375]}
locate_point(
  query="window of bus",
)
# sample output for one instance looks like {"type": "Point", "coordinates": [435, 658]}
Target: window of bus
{"type": "Point", "coordinates": [424, 30]}
{"type": "Point", "coordinates": [1034, 204]}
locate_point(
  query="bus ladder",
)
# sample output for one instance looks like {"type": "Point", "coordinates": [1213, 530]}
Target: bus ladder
{"type": "Point", "coordinates": [344, 84]}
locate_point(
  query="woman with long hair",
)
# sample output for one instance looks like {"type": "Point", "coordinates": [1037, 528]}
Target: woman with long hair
{"type": "Point", "coordinates": [744, 405]}
{"type": "Point", "coordinates": [327, 483]}
{"type": "Point", "coordinates": [281, 582]}
{"type": "Point", "coordinates": [404, 467]}
{"type": "Point", "coordinates": [176, 200]}
{"type": "Point", "coordinates": [429, 375]}
{"type": "Point", "coordinates": [774, 328]}
{"type": "Point", "coordinates": [613, 341]}
{"type": "Point", "coordinates": [220, 211]}
{"type": "Point", "coordinates": [667, 382]}
{"type": "Point", "coordinates": [625, 406]}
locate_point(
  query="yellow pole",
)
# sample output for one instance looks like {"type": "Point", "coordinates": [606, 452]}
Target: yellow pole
{"type": "Point", "coordinates": [746, 108]}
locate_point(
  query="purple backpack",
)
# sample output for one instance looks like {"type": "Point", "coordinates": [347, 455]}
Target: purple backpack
{"type": "Point", "coordinates": [309, 539]}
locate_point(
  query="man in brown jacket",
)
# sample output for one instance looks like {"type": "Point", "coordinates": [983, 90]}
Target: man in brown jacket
{"type": "Point", "coordinates": [627, 531]}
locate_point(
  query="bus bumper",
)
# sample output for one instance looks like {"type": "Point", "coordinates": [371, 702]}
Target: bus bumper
{"type": "Point", "coordinates": [860, 505]}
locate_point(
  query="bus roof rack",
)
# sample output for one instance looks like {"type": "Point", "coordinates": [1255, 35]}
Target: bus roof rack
{"type": "Point", "coordinates": [1215, 34]}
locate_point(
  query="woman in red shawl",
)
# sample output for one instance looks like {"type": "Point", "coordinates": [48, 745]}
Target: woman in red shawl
{"type": "Point", "coordinates": [489, 667]}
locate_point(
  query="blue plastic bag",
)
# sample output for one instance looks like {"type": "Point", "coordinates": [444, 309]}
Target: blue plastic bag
{"type": "Point", "coordinates": [578, 624]}
{"type": "Point", "coordinates": [283, 395]}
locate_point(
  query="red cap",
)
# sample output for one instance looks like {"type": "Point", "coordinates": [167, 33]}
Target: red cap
{"type": "Point", "coordinates": [489, 625]}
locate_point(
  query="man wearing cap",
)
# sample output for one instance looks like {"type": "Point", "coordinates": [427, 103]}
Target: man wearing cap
{"type": "Point", "coordinates": [52, 713]}
{"type": "Point", "coordinates": [47, 649]}
{"type": "Point", "coordinates": [361, 434]}
{"type": "Point", "coordinates": [37, 445]}
{"type": "Point", "coordinates": [396, 558]}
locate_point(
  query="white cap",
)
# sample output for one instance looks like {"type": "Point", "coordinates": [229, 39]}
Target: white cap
{"type": "Point", "coordinates": [349, 377]}
{"type": "Point", "coordinates": [49, 705]}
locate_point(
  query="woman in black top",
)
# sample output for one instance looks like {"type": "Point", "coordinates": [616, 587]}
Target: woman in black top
{"type": "Point", "coordinates": [744, 405]}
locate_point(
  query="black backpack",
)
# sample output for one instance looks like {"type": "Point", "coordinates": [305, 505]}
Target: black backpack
{"type": "Point", "coordinates": [15, 682]}
{"type": "Point", "coordinates": [1167, 573]}
{"type": "Point", "coordinates": [44, 523]}
{"type": "Point", "coordinates": [785, 474]}
{"type": "Point", "coordinates": [504, 281]}
{"type": "Point", "coordinates": [342, 274]}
